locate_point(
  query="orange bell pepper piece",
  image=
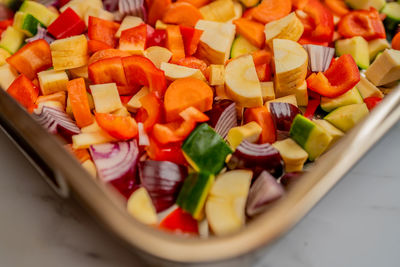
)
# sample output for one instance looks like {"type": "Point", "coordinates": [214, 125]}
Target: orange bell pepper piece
{"type": "Point", "coordinates": [119, 127]}
{"type": "Point", "coordinates": [32, 58]}
{"type": "Point", "coordinates": [24, 91]}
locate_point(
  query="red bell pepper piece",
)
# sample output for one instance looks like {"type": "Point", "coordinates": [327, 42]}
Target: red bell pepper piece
{"type": "Point", "coordinates": [150, 113]}
{"type": "Point", "coordinates": [109, 70]}
{"type": "Point", "coordinates": [94, 46]}
{"type": "Point", "coordinates": [194, 63]}
{"type": "Point", "coordinates": [322, 27]}
{"type": "Point", "coordinates": [155, 37]}
{"type": "Point", "coordinates": [365, 23]}
{"type": "Point", "coordinates": [191, 39]}
{"type": "Point", "coordinates": [102, 30]}
{"type": "Point", "coordinates": [263, 117]}
{"type": "Point", "coordinates": [178, 131]}
{"type": "Point", "coordinates": [32, 58]}
{"type": "Point", "coordinates": [134, 39]}
{"type": "Point", "coordinates": [119, 127]}
{"type": "Point", "coordinates": [341, 76]}
{"type": "Point", "coordinates": [396, 41]}
{"type": "Point", "coordinates": [141, 71]}
{"type": "Point", "coordinates": [312, 107]}
{"type": "Point", "coordinates": [372, 102]}
{"type": "Point", "coordinates": [170, 152]}
{"type": "Point", "coordinates": [4, 24]}
{"type": "Point", "coordinates": [180, 221]}
{"type": "Point", "coordinates": [262, 62]}
{"type": "Point", "coordinates": [67, 24]}
{"type": "Point", "coordinates": [24, 91]}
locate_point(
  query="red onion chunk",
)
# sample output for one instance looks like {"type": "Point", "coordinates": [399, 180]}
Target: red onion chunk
{"type": "Point", "coordinates": [283, 115]}
{"type": "Point", "coordinates": [258, 158]}
{"type": "Point", "coordinates": [41, 34]}
{"type": "Point", "coordinates": [110, 5]}
{"type": "Point", "coordinates": [57, 121]}
{"type": "Point", "coordinates": [132, 7]}
{"type": "Point", "coordinates": [223, 116]}
{"type": "Point", "coordinates": [163, 180]}
{"type": "Point", "coordinates": [320, 57]}
{"type": "Point", "coordinates": [264, 191]}
{"type": "Point", "coordinates": [116, 164]}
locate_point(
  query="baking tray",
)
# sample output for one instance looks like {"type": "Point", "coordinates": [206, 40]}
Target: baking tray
{"type": "Point", "coordinates": [65, 175]}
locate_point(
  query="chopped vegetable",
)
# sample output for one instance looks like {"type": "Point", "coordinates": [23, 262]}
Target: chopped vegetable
{"type": "Point", "coordinates": [179, 221]}
{"type": "Point", "coordinates": [24, 91]}
{"type": "Point", "coordinates": [67, 24]}
{"type": "Point", "coordinates": [341, 76]}
{"type": "Point", "coordinates": [163, 180]}
{"type": "Point", "coordinates": [79, 102]}
{"type": "Point", "coordinates": [205, 150]}
{"type": "Point", "coordinates": [32, 58]}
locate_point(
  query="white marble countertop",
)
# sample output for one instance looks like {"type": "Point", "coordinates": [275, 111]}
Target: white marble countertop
{"type": "Point", "coordinates": [356, 224]}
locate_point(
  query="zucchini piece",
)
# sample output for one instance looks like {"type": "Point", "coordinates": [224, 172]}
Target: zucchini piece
{"type": "Point", "coordinates": [194, 192]}
{"type": "Point", "coordinates": [392, 11]}
{"type": "Point", "coordinates": [357, 47]}
{"type": "Point", "coordinates": [39, 11]}
{"type": "Point", "coordinates": [350, 97]}
{"type": "Point", "coordinates": [311, 137]}
{"type": "Point", "coordinates": [345, 118]}
{"type": "Point", "coordinates": [12, 39]}
{"type": "Point", "coordinates": [205, 150]}
{"type": "Point", "coordinates": [241, 46]}
{"type": "Point", "coordinates": [366, 4]}
{"type": "Point", "coordinates": [26, 23]}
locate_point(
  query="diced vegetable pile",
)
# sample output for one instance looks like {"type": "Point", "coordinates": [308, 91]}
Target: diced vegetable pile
{"type": "Point", "coordinates": [200, 113]}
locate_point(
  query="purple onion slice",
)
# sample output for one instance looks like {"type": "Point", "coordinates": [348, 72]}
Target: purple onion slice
{"type": "Point", "coordinates": [163, 180]}
{"type": "Point", "coordinates": [223, 116]}
{"type": "Point", "coordinates": [116, 164]}
{"type": "Point", "coordinates": [320, 57]}
{"type": "Point", "coordinates": [283, 115]}
{"type": "Point", "coordinates": [258, 158]}
{"type": "Point", "coordinates": [132, 7]}
{"type": "Point", "coordinates": [110, 5]}
{"type": "Point", "coordinates": [264, 191]}
{"type": "Point", "coordinates": [56, 121]}
{"type": "Point", "coordinates": [41, 34]}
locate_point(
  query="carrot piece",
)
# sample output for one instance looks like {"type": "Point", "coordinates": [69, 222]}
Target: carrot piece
{"type": "Point", "coordinates": [270, 10]}
{"type": "Point", "coordinates": [194, 63]}
{"type": "Point", "coordinates": [108, 53]}
{"type": "Point", "coordinates": [183, 14]}
{"type": "Point", "coordinates": [251, 30]}
{"type": "Point", "coordinates": [94, 46]}
{"type": "Point", "coordinates": [396, 41]}
{"type": "Point", "coordinates": [24, 91]}
{"type": "Point", "coordinates": [338, 7]}
{"type": "Point", "coordinates": [262, 116]}
{"type": "Point", "coordinates": [175, 43]}
{"type": "Point", "coordinates": [81, 154]}
{"type": "Point", "coordinates": [120, 127]}
{"type": "Point", "coordinates": [184, 93]}
{"type": "Point", "coordinates": [79, 102]}
{"type": "Point", "coordinates": [196, 3]}
{"type": "Point", "coordinates": [157, 10]}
